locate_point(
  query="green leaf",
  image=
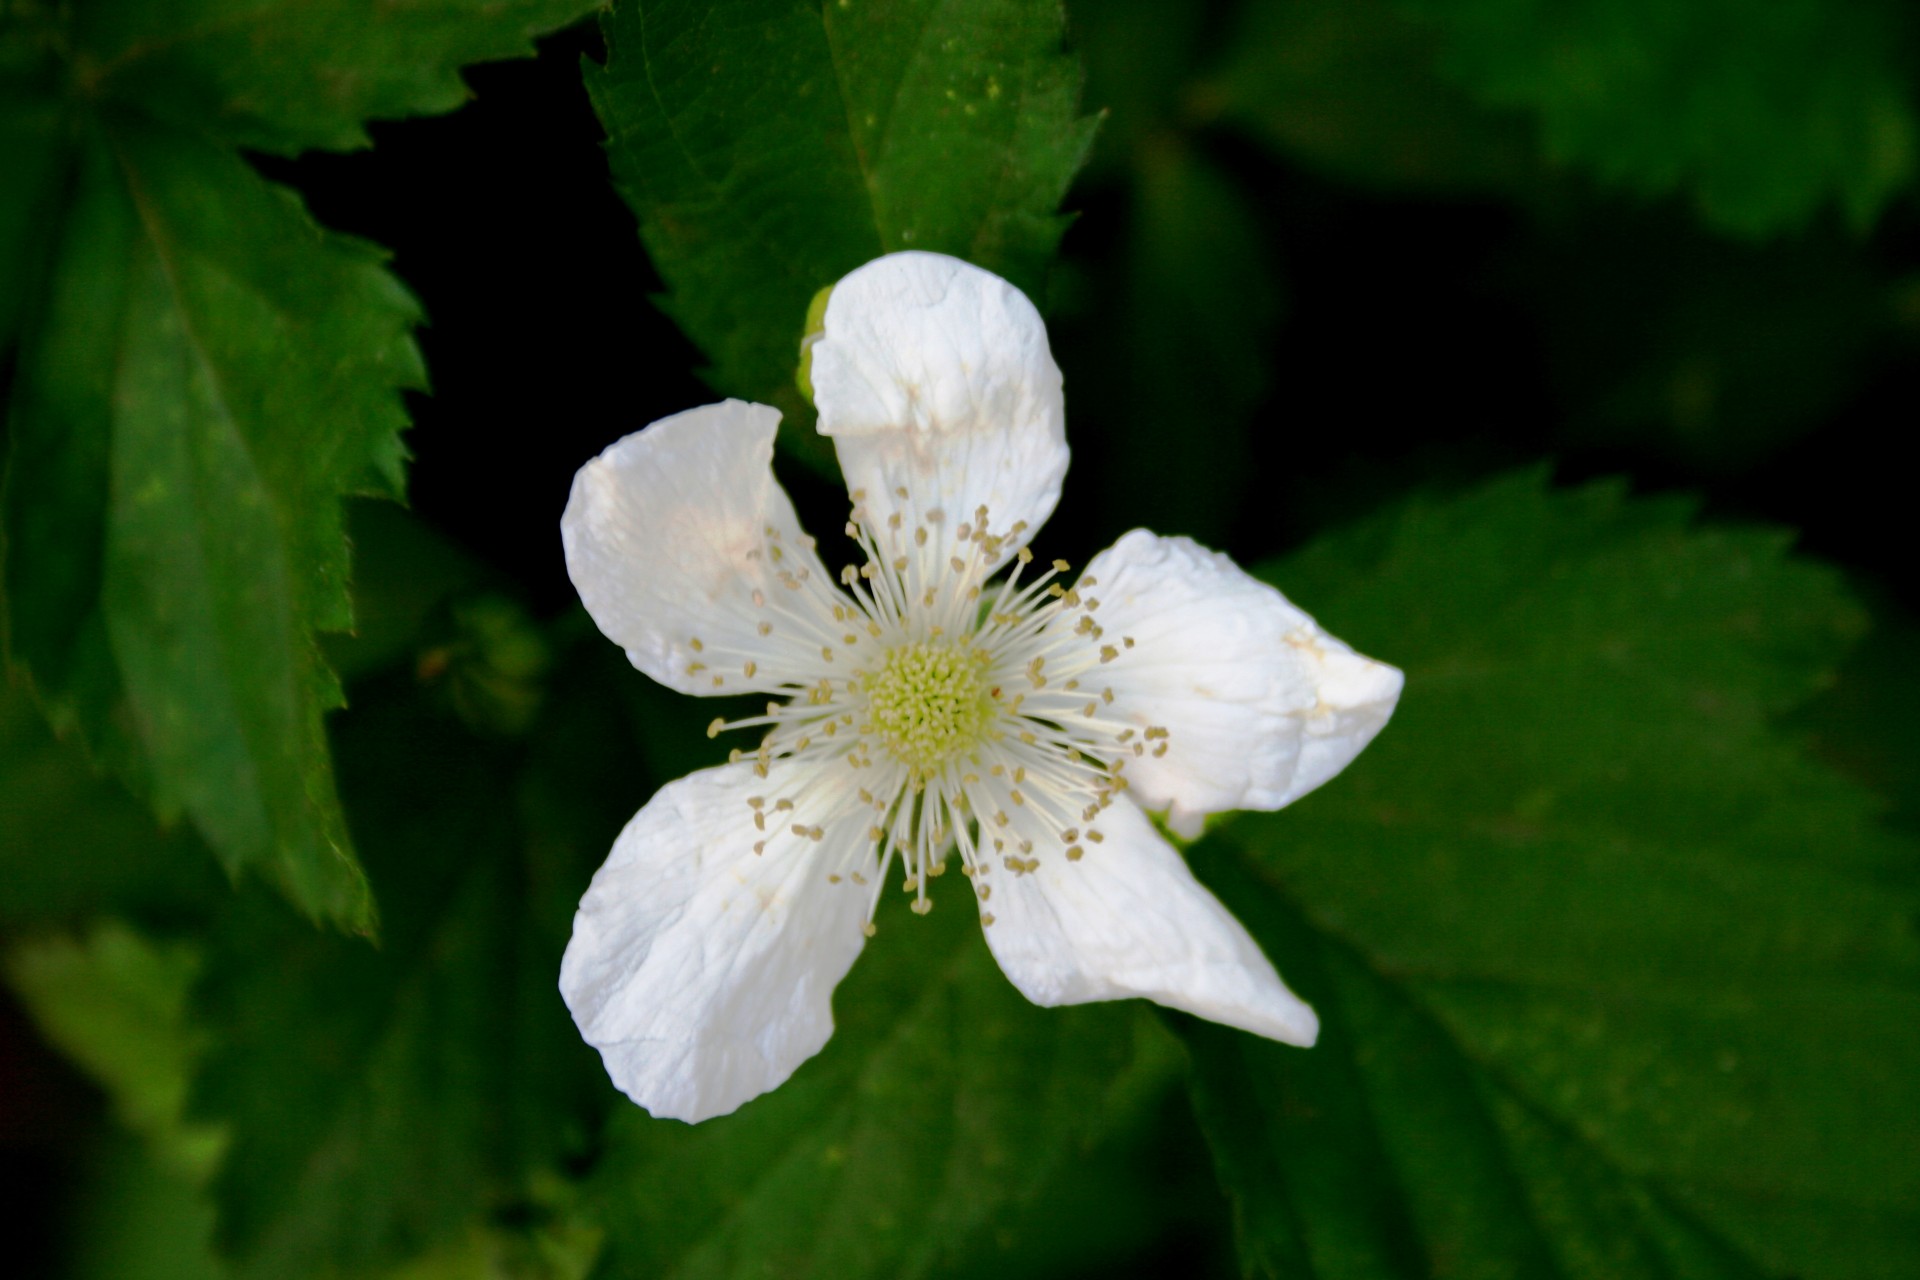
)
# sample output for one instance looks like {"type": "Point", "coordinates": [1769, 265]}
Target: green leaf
{"type": "Point", "coordinates": [136, 1217]}
{"type": "Point", "coordinates": [1616, 980]}
{"type": "Point", "coordinates": [380, 1098]}
{"type": "Point", "coordinates": [1353, 88]}
{"type": "Point", "coordinates": [202, 375]}
{"type": "Point", "coordinates": [212, 374]}
{"type": "Point", "coordinates": [943, 1100]}
{"type": "Point", "coordinates": [287, 75]}
{"type": "Point", "coordinates": [769, 147]}
{"type": "Point", "coordinates": [1761, 116]}
{"type": "Point", "coordinates": [115, 1003]}
{"type": "Point", "coordinates": [73, 844]}
{"type": "Point", "coordinates": [33, 155]}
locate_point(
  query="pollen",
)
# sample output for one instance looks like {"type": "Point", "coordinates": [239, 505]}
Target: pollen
{"type": "Point", "coordinates": [928, 703]}
{"type": "Point", "coordinates": [944, 708]}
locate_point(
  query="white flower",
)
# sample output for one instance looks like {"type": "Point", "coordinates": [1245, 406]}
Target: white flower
{"type": "Point", "coordinates": [928, 709]}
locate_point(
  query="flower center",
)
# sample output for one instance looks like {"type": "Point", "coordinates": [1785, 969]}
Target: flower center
{"type": "Point", "coordinates": [950, 708]}
{"type": "Point", "coordinates": [927, 702]}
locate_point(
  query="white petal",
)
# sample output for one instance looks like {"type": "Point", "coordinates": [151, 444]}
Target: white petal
{"type": "Point", "coordinates": [934, 376]}
{"type": "Point", "coordinates": [1261, 706]}
{"type": "Point", "coordinates": [702, 972]}
{"type": "Point", "coordinates": [1129, 919]}
{"type": "Point", "coordinates": [665, 534]}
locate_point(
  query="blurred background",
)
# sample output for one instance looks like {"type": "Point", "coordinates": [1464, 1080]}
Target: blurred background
{"type": "Point", "coordinates": [1316, 268]}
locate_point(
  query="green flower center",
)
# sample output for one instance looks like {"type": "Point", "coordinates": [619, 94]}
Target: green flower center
{"type": "Point", "coordinates": [928, 703]}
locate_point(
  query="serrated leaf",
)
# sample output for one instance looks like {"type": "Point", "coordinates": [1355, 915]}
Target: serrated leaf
{"type": "Point", "coordinates": [1619, 976]}
{"type": "Point", "coordinates": [212, 374]}
{"type": "Point", "coordinates": [1762, 118]}
{"type": "Point", "coordinates": [943, 1099]}
{"type": "Point", "coordinates": [1387, 1153]}
{"type": "Point", "coordinates": [378, 1098]}
{"type": "Point", "coordinates": [202, 375]}
{"type": "Point", "coordinates": [769, 147]}
{"type": "Point", "coordinates": [285, 76]}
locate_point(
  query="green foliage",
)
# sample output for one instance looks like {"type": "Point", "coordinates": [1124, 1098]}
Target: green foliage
{"type": "Point", "coordinates": [1616, 980]}
{"type": "Point", "coordinates": [769, 147]}
{"type": "Point", "coordinates": [288, 75]}
{"type": "Point", "coordinates": [116, 1003]}
{"type": "Point", "coordinates": [1762, 116]}
{"type": "Point", "coordinates": [380, 1099]}
{"type": "Point", "coordinates": [173, 497]}
{"type": "Point", "coordinates": [138, 1218]}
{"type": "Point", "coordinates": [73, 844]}
{"type": "Point", "coordinates": [1352, 87]}
{"type": "Point", "coordinates": [943, 1101]}
{"type": "Point", "coordinates": [1762, 120]}
{"type": "Point", "coordinates": [202, 375]}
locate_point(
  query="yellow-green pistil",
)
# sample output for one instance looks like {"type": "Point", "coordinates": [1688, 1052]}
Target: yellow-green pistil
{"type": "Point", "coordinates": [928, 703]}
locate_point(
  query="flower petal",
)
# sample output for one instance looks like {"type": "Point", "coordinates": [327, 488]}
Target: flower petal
{"type": "Point", "coordinates": [1260, 705]}
{"type": "Point", "coordinates": [934, 376]}
{"type": "Point", "coordinates": [666, 534]}
{"type": "Point", "coordinates": [1129, 919]}
{"type": "Point", "coordinates": [701, 971]}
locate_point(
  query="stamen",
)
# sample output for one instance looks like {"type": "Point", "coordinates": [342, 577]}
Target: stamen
{"type": "Point", "coordinates": [926, 739]}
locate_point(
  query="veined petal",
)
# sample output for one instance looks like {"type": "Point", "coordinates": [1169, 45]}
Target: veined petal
{"type": "Point", "coordinates": [702, 971]}
{"type": "Point", "coordinates": [1260, 705]}
{"type": "Point", "coordinates": [934, 376]}
{"type": "Point", "coordinates": [667, 541]}
{"type": "Point", "coordinates": [1129, 919]}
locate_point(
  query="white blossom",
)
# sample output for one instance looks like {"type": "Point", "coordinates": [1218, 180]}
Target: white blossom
{"type": "Point", "coordinates": [944, 701]}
